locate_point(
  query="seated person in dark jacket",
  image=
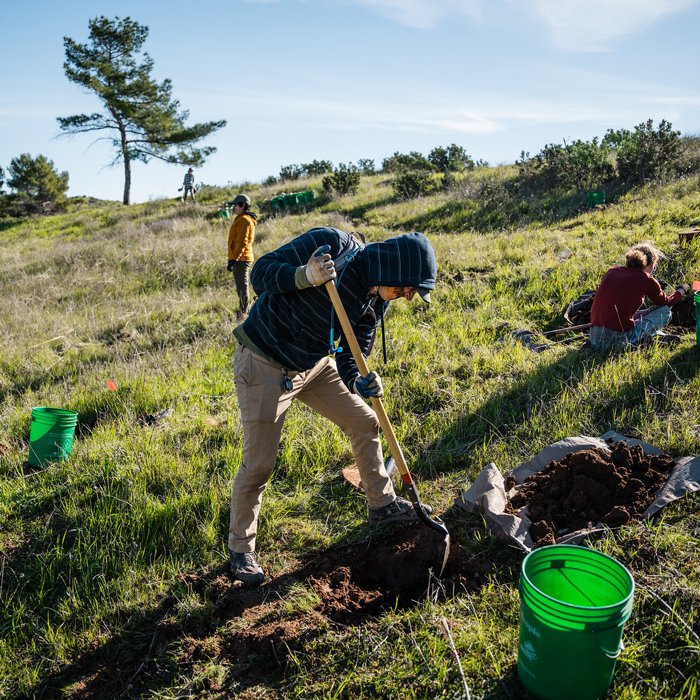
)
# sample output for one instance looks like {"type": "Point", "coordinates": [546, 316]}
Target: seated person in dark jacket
{"type": "Point", "coordinates": [616, 319]}
{"type": "Point", "coordinates": [283, 353]}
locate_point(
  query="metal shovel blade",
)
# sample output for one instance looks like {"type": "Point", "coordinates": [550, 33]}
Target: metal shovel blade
{"type": "Point", "coordinates": [440, 545]}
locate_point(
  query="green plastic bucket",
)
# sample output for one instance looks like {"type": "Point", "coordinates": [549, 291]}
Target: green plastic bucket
{"type": "Point", "coordinates": [696, 297]}
{"type": "Point", "coordinates": [51, 435]}
{"type": "Point", "coordinates": [595, 198]}
{"type": "Point", "coordinates": [574, 603]}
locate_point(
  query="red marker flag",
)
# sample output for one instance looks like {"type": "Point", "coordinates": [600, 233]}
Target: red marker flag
{"type": "Point", "coordinates": [111, 385]}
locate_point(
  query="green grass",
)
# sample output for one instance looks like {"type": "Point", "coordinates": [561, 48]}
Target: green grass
{"type": "Point", "coordinates": [102, 557]}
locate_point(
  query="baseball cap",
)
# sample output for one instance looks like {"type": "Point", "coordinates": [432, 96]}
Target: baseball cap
{"type": "Point", "coordinates": [241, 199]}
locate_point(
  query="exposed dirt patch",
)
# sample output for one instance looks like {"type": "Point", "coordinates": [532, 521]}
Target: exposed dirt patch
{"type": "Point", "coordinates": [588, 487]}
{"type": "Point", "coordinates": [349, 586]}
{"type": "Point", "coordinates": [683, 313]}
{"type": "Point", "coordinates": [254, 631]}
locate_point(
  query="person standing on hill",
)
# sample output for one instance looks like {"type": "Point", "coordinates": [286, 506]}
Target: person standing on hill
{"type": "Point", "coordinates": [616, 319]}
{"type": "Point", "coordinates": [240, 249]}
{"type": "Point", "coordinates": [188, 185]}
{"type": "Point", "coordinates": [283, 353]}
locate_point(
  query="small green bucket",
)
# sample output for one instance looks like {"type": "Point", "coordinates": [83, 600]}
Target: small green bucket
{"type": "Point", "coordinates": [574, 603]}
{"type": "Point", "coordinates": [595, 198]}
{"type": "Point", "coordinates": [51, 435]}
{"type": "Point", "coordinates": [696, 297]}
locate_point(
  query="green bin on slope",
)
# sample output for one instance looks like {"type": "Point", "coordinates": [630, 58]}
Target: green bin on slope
{"type": "Point", "coordinates": [595, 198]}
{"type": "Point", "coordinates": [574, 603]}
{"type": "Point", "coordinates": [51, 435]}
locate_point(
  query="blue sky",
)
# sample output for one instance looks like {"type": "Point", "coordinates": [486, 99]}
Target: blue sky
{"type": "Point", "coordinates": [340, 80]}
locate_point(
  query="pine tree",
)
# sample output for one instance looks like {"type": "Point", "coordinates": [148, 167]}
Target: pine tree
{"type": "Point", "coordinates": [37, 181]}
{"type": "Point", "coordinates": [143, 119]}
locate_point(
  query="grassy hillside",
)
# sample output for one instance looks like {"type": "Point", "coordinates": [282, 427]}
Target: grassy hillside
{"type": "Point", "coordinates": [112, 571]}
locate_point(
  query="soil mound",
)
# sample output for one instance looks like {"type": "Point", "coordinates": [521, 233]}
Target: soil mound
{"type": "Point", "coordinates": [589, 487]}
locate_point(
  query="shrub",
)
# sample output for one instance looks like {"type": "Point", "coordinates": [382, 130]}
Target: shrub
{"type": "Point", "coordinates": [318, 167]}
{"type": "Point", "coordinates": [291, 172]}
{"type": "Point", "coordinates": [406, 161]}
{"type": "Point", "coordinates": [452, 159]}
{"type": "Point", "coordinates": [366, 166]}
{"type": "Point", "coordinates": [689, 158]}
{"type": "Point", "coordinates": [345, 179]}
{"type": "Point", "coordinates": [409, 184]}
{"type": "Point", "coordinates": [37, 182]}
{"type": "Point", "coordinates": [645, 154]}
{"type": "Point", "coordinates": [580, 165]}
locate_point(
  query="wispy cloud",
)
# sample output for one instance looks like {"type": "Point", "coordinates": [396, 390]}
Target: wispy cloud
{"type": "Point", "coordinates": [423, 14]}
{"type": "Point", "coordinates": [592, 25]}
{"type": "Point", "coordinates": [572, 25]}
{"type": "Point", "coordinates": [481, 115]}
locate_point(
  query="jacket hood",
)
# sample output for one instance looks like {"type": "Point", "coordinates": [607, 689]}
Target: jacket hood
{"type": "Point", "coordinates": [404, 261]}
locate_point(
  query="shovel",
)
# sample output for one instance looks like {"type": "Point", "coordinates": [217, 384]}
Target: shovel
{"type": "Point", "coordinates": [442, 545]}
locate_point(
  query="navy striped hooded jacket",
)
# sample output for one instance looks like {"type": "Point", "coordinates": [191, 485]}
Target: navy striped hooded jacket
{"type": "Point", "coordinates": [292, 326]}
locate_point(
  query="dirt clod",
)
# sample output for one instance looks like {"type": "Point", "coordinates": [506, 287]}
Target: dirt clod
{"type": "Point", "coordinates": [588, 487]}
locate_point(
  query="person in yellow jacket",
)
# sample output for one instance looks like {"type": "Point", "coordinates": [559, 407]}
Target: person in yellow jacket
{"type": "Point", "coordinates": [240, 249]}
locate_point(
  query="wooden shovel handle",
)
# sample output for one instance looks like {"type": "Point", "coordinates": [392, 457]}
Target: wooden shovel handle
{"type": "Point", "coordinates": [559, 331]}
{"type": "Point", "coordinates": [377, 403]}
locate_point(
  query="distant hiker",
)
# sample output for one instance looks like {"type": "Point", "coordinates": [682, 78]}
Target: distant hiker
{"type": "Point", "coordinates": [283, 354]}
{"type": "Point", "coordinates": [240, 249]}
{"type": "Point", "coordinates": [616, 319]}
{"type": "Point", "coordinates": [188, 185]}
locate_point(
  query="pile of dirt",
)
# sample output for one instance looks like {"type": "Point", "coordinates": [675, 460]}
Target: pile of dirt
{"type": "Point", "coordinates": [589, 487]}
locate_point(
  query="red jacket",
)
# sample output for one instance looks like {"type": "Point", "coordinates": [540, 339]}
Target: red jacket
{"type": "Point", "coordinates": [620, 295]}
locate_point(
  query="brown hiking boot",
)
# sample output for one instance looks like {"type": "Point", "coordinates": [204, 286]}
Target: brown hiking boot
{"type": "Point", "coordinates": [399, 510]}
{"type": "Point", "coordinates": [245, 567]}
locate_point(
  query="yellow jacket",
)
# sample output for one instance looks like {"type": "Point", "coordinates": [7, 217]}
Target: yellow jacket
{"type": "Point", "coordinates": [240, 238]}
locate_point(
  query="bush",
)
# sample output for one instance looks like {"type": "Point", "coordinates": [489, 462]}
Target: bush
{"type": "Point", "coordinates": [645, 154]}
{"type": "Point", "coordinates": [291, 172]}
{"type": "Point", "coordinates": [345, 179]}
{"type": "Point", "coordinates": [453, 159]}
{"type": "Point", "coordinates": [318, 167]}
{"type": "Point", "coordinates": [580, 165]}
{"type": "Point", "coordinates": [689, 158]}
{"type": "Point", "coordinates": [409, 184]}
{"type": "Point", "coordinates": [366, 166]}
{"type": "Point", "coordinates": [37, 183]}
{"type": "Point", "coordinates": [406, 161]}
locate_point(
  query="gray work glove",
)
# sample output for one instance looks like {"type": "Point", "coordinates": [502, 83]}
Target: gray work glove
{"type": "Point", "coordinates": [319, 270]}
{"type": "Point", "coordinates": [683, 289]}
{"type": "Point", "coordinates": [369, 386]}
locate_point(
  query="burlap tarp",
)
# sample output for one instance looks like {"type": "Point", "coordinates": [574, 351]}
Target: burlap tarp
{"type": "Point", "coordinates": [488, 496]}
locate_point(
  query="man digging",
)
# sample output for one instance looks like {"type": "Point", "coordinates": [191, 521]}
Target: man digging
{"type": "Point", "coordinates": [283, 352]}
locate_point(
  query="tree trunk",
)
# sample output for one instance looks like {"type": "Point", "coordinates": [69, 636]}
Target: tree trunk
{"type": "Point", "coordinates": [127, 161]}
{"type": "Point", "coordinates": [127, 178]}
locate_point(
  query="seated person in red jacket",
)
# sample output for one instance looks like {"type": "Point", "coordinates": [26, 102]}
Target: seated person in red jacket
{"type": "Point", "coordinates": [616, 319]}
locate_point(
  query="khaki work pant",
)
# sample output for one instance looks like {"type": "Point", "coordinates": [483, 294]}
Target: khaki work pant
{"type": "Point", "coordinates": [264, 402]}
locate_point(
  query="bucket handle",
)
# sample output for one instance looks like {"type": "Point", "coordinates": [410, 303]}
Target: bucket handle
{"type": "Point", "coordinates": [613, 654]}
